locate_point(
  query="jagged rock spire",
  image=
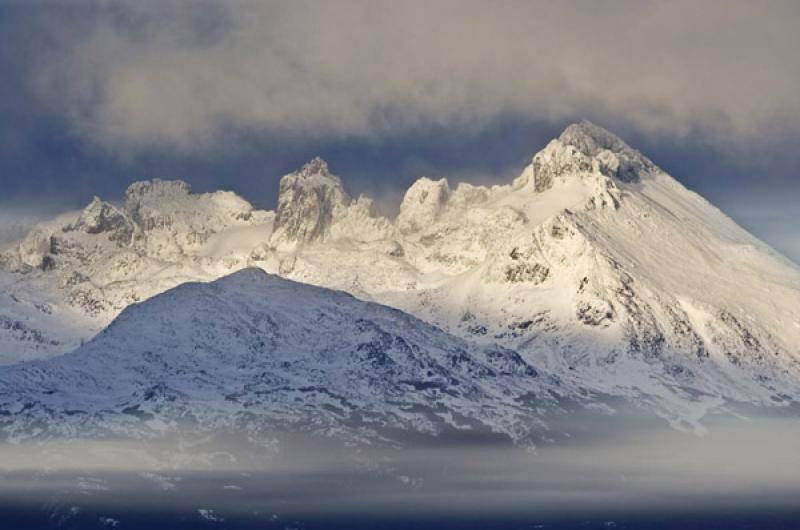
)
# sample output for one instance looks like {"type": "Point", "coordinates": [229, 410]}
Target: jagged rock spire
{"type": "Point", "coordinates": [308, 200]}
{"type": "Point", "coordinates": [315, 166]}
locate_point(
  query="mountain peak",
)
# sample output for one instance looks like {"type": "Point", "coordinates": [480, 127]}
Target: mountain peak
{"type": "Point", "coordinates": [100, 216]}
{"type": "Point", "coordinates": [315, 166]}
{"type": "Point", "coordinates": [423, 203]}
{"type": "Point", "coordinates": [248, 274]}
{"type": "Point", "coordinates": [591, 138]}
{"type": "Point", "coordinates": [307, 200]}
{"type": "Point", "coordinates": [157, 188]}
{"type": "Point", "coordinates": [314, 174]}
{"type": "Point", "coordinates": [617, 158]}
{"type": "Point", "coordinates": [585, 149]}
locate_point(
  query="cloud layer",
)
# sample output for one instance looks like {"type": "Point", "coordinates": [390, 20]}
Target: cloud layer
{"type": "Point", "coordinates": [191, 76]}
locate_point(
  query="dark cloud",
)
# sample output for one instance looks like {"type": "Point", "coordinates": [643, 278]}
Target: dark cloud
{"type": "Point", "coordinates": [182, 76]}
{"type": "Point", "coordinates": [233, 95]}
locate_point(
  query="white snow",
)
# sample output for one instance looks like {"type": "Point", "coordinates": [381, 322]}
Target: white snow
{"type": "Point", "coordinates": [594, 264]}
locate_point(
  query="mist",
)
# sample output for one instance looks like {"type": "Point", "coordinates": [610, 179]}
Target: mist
{"type": "Point", "coordinates": [602, 469]}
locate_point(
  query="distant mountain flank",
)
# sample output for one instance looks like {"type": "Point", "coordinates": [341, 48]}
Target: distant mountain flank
{"type": "Point", "coordinates": [594, 265]}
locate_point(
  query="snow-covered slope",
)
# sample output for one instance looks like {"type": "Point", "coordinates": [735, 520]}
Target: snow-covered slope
{"type": "Point", "coordinates": [594, 264]}
{"type": "Point", "coordinates": [69, 277]}
{"type": "Point", "coordinates": [256, 351]}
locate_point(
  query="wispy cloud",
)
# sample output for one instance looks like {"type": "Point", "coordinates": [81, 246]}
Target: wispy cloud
{"type": "Point", "coordinates": [188, 76]}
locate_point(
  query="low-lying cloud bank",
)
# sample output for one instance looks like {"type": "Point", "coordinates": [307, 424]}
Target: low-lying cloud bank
{"type": "Point", "coordinates": [189, 76]}
{"type": "Point", "coordinates": [748, 465]}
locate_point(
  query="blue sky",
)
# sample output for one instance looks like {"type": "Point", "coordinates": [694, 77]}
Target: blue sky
{"type": "Point", "coordinates": [234, 95]}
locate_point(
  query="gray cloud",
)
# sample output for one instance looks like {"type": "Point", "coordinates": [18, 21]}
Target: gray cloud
{"type": "Point", "coordinates": [187, 76]}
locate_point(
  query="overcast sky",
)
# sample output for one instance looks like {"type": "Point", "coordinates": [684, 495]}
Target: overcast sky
{"type": "Point", "coordinates": [94, 95]}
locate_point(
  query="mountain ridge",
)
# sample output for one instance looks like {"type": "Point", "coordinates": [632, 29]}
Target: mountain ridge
{"type": "Point", "coordinates": [594, 264]}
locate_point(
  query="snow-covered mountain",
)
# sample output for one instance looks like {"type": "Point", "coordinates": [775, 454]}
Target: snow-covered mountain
{"type": "Point", "coordinates": [259, 352]}
{"type": "Point", "coordinates": [594, 264]}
